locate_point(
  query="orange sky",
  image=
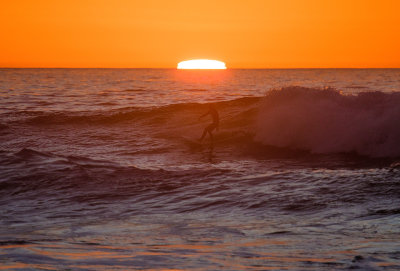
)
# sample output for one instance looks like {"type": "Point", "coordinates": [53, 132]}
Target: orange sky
{"type": "Point", "coordinates": [160, 33]}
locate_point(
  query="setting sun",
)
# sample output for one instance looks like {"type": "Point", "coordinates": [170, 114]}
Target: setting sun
{"type": "Point", "coordinates": [202, 64]}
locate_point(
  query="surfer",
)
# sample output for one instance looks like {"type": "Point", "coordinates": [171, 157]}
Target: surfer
{"type": "Point", "coordinates": [214, 125]}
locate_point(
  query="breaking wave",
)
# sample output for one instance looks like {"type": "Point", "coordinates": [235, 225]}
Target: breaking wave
{"type": "Point", "coordinates": [322, 121]}
{"type": "Point", "coordinates": [326, 121]}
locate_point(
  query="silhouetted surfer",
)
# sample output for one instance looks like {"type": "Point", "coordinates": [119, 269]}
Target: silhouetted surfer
{"type": "Point", "coordinates": [214, 125]}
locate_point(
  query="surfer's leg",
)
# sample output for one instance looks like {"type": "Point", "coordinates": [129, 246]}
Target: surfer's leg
{"type": "Point", "coordinates": [211, 128]}
{"type": "Point", "coordinates": [204, 133]}
{"type": "Point", "coordinates": [211, 135]}
{"type": "Point", "coordinates": [208, 130]}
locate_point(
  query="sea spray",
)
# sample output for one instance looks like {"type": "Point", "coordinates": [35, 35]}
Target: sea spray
{"type": "Point", "coordinates": [327, 121]}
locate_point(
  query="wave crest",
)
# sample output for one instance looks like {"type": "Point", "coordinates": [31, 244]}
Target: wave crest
{"type": "Point", "coordinates": [326, 121]}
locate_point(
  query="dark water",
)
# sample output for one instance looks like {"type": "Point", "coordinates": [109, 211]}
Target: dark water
{"type": "Point", "coordinates": [97, 171]}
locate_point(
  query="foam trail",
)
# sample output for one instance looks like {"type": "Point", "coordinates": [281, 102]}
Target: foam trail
{"type": "Point", "coordinates": [326, 121]}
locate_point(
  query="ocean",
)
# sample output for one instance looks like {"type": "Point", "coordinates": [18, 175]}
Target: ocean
{"type": "Point", "coordinates": [100, 169]}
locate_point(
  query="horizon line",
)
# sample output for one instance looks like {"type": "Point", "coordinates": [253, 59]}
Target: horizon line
{"type": "Point", "coordinates": [164, 68]}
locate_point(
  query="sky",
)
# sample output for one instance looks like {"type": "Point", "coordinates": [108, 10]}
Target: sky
{"type": "Point", "coordinates": [161, 33]}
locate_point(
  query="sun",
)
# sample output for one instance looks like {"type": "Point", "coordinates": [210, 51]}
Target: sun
{"type": "Point", "coordinates": [202, 64]}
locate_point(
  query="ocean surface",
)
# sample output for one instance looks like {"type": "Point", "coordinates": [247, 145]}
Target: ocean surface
{"type": "Point", "coordinates": [100, 169]}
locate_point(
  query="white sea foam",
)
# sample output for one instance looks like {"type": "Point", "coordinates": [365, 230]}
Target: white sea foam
{"type": "Point", "coordinates": [326, 121]}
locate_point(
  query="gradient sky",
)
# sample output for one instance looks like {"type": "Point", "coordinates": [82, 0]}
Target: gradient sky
{"type": "Point", "coordinates": [159, 34]}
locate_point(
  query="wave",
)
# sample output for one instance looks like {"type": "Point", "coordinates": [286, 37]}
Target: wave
{"type": "Point", "coordinates": [107, 117]}
{"type": "Point", "coordinates": [63, 181]}
{"type": "Point", "coordinates": [50, 177]}
{"type": "Point", "coordinates": [146, 115]}
{"type": "Point", "coordinates": [39, 172]}
{"type": "Point", "coordinates": [327, 121]}
{"type": "Point", "coordinates": [320, 121]}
